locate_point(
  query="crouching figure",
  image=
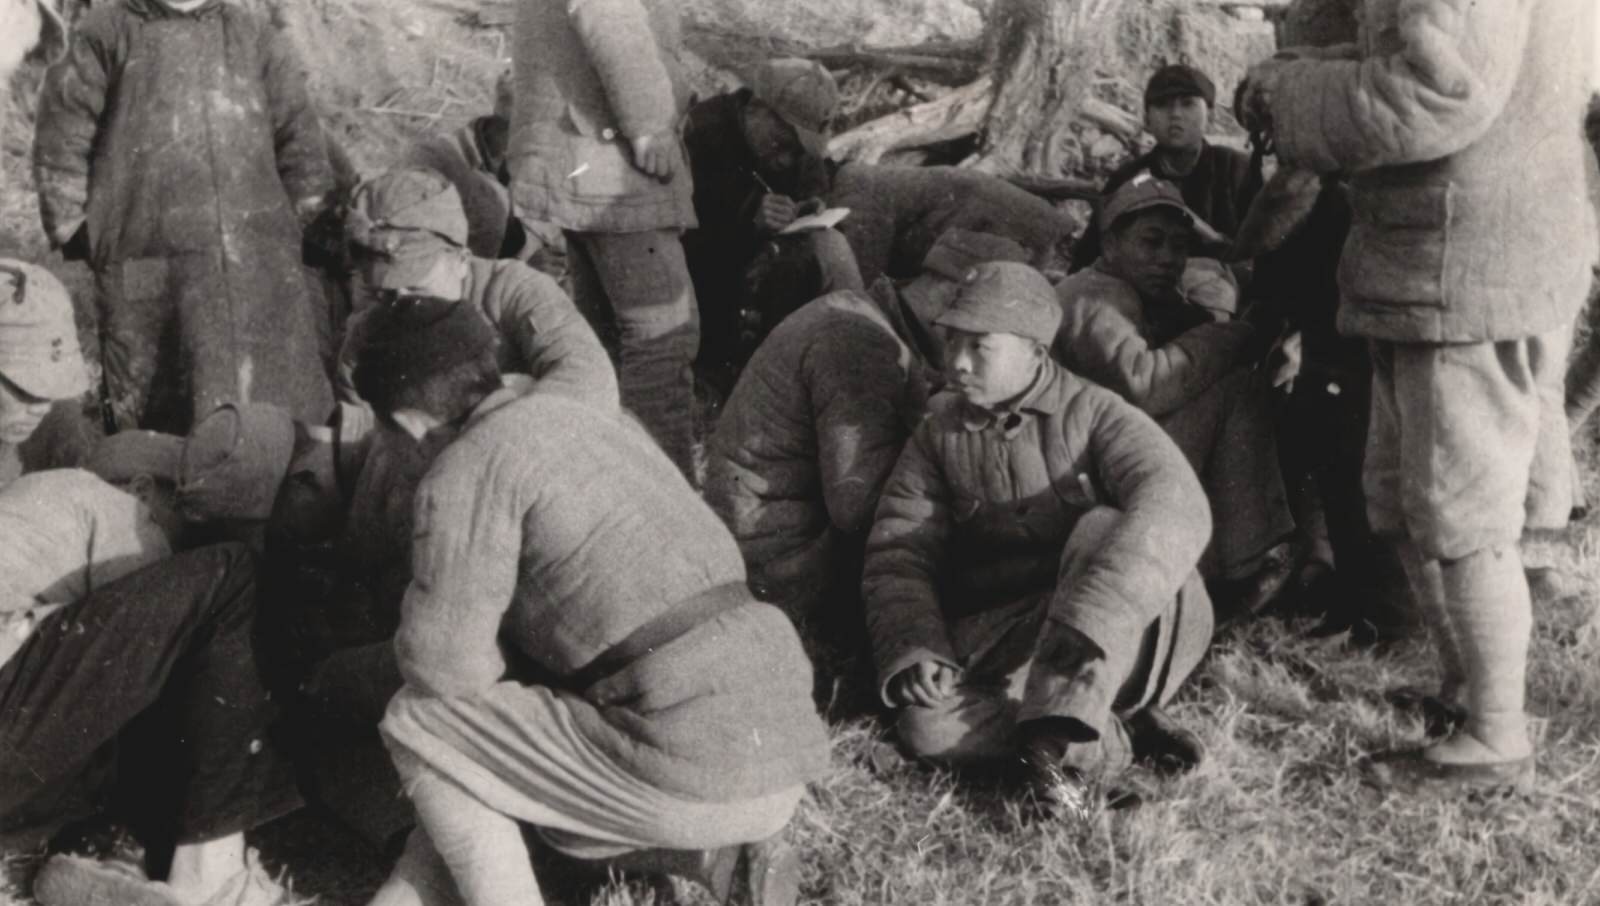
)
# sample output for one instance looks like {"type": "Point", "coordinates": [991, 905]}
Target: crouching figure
{"type": "Point", "coordinates": [1030, 579]}
{"type": "Point", "coordinates": [579, 649]}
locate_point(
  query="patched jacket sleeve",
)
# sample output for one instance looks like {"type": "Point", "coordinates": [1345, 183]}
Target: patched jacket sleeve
{"type": "Point", "coordinates": [620, 42]}
{"type": "Point", "coordinates": [900, 581]}
{"type": "Point", "coordinates": [466, 546]}
{"type": "Point", "coordinates": [553, 341]}
{"type": "Point", "coordinates": [1100, 342]}
{"type": "Point", "coordinates": [1446, 80]}
{"type": "Point", "coordinates": [1166, 520]}
{"type": "Point", "coordinates": [858, 394]}
{"type": "Point", "coordinates": [71, 103]}
{"type": "Point", "coordinates": [297, 136]}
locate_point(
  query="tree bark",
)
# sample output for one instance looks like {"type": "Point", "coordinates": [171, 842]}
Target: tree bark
{"type": "Point", "coordinates": [1043, 54]}
{"type": "Point", "coordinates": [948, 117]}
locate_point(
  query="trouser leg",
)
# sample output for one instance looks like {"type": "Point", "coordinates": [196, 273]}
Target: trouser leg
{"type": "Point", "coordinates": [648, 295]}
{"type": "Point", "coordinates": [175, 637]}
{"type": "Point", "coordinates": [1091, 657]}
{"type": "Point", "coordinates": [483, 848]}
{"type": "Point", "coordinates": [139, 348]}
{"type": "Point", "coordinates": [1302, 450]}
{"type": "Point", "coordinates": [1227, 435]}
{"type": "Point", "coordinates": [1372, 585]}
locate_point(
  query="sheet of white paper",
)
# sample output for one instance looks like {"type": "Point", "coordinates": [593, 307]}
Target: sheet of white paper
{"type": "Point", "coordinates": [822, 220]}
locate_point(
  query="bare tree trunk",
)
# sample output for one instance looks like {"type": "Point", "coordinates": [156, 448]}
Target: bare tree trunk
{"type": "Point", "coordinates": [1043, 54]}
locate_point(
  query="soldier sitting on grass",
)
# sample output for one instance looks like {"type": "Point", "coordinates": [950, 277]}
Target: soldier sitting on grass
{"type": "Point", "coordinates": [814, 427]}
{"type": "Point", "coordinates": [1030, 586]}
{"type": "Point", "coordinates": [1128, 326]}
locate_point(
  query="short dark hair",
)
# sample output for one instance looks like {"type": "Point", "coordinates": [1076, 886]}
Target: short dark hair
{"type": "Point", "coordinates": [447, 395]}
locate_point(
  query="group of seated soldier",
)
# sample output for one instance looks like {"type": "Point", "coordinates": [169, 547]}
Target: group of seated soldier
{"type": "Point", "coordinates": [479, 597]}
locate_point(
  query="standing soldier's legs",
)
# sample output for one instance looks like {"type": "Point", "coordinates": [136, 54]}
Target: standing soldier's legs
{"type": "Point", "coordinates": [1454, 429]}
{"type": "Point", "coordinates": [640, 283]}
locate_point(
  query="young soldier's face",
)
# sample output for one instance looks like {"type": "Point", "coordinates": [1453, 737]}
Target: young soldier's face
{"type": "Point", "coordinates": [20, 412]}
{"type": "Point", "coordinates": [1178, 122]}
{"type": "Point", "coordinates": [1151, 250]}
{"type": "Point", "coordinates": [989, 369]}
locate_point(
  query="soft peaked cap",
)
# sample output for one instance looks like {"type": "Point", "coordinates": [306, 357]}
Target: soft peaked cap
{"type": "Point", "coordinates": [1005, 297]}
{"type": "Point", "coordinates": [803, 94]}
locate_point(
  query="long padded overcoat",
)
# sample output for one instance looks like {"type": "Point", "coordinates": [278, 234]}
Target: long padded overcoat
{"type": "Point", "coordinates": [183, 140]}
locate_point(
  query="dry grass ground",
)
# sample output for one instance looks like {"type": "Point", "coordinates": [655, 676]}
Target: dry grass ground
{"type": "Point", "coordinates": [1276, 815]}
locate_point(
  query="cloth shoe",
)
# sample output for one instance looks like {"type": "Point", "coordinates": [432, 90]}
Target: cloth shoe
{"type": "Point", "coordinates": [1411, 771]}
{"type": "Point", "coordinates": [1163, 742]}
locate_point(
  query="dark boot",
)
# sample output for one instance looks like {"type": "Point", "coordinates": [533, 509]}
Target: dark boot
{"type": "Point", "coordinates": [1055, 789]}
{"type": "Point", "coordinates": [1238, 599]}
{"type": "Point", "coordinates": [1163, 742]}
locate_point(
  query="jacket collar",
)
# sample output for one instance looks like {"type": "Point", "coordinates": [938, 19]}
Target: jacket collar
{"type": "Point", "coordinates": [1048, 393]}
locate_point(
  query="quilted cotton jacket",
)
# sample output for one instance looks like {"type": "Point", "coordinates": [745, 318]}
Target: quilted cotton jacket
{"type": "Point", "coordinates": [1460, 122]}
{"type": "Point", "coordinates": [813, 427]}
{"type": "Point", "coordinates": [590, 75]}
{"type": "Point", "coordinates": [978, 510]}
{"type": "Point", "coordinates": [1156, 356]}
{"type": "Point", "coordinates": [559, 534]}
{"type": "Point", "coordinates": [896, 214]}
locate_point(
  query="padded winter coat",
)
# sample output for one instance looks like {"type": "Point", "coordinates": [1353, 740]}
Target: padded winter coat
{"type": "Point", "coordinates": [1157, 357]}
{"type": "Point", "coordinates": [977, 513]}
{"type": "Point", "coordinates": [551, 535]}
{"type": "Point", "coordinates": [896, 214]}
{"type": "Point", "coordinates": [184, 140]}
{"type": "Point", "coordinates": [1460, 124]}
{"type": "Point", "coordinates": [590, 75]}
{"type": "Point", "coordinates": [811, 431]}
